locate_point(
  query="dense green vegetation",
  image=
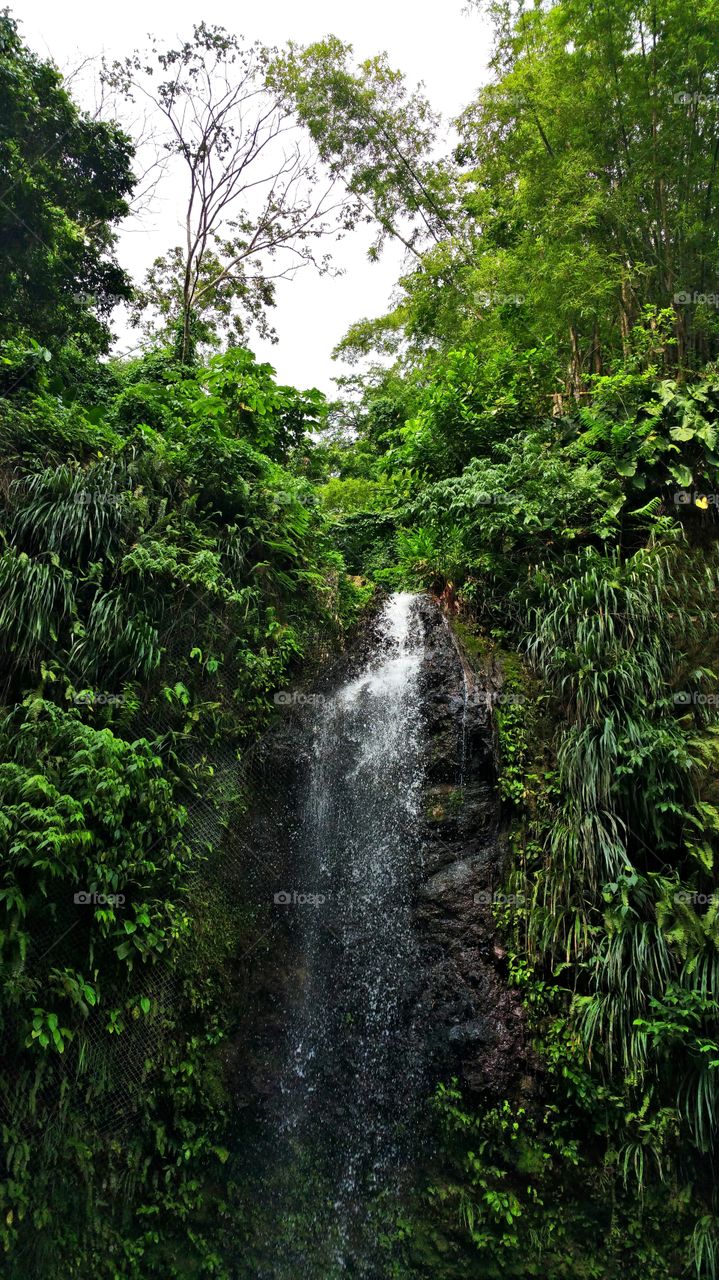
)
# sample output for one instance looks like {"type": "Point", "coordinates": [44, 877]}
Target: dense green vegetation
{"type": "Point", "coordinates": [164, 568]}
{"type": "Point", "coordinates": [547, 428]}
{"type": "Point", "coordinates": [531, 434]}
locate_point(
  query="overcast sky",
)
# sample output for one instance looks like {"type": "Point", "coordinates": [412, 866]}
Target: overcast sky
{"type": "Point", "coordinates": [443, 46]}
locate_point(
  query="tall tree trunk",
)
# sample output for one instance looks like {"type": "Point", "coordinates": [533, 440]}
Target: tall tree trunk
{"type": "Point", "coordinates": [574, 387]}
{"type": "Point", "coordinates": [626, 315]}
{"type": "Point", "coordinates": [596, 349]}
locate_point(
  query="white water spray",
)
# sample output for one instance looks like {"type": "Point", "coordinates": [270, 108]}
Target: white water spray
{"type": "Point", "coordinates": [354, 1066]}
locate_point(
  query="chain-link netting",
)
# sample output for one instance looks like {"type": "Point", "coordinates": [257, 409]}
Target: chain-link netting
{"type": "Point", "coordinates": [234, 826]}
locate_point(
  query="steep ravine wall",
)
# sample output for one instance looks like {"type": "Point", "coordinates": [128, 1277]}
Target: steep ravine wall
{"type": "Point", "coordinates": [472, 1021]}
{"type": "Point", "coordinates": [475, 1021]}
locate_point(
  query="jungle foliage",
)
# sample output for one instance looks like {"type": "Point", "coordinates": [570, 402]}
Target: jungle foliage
{"type": "Point", "coordinates": [540, 412]}
{"type": "Point", "coordinates": [531, 433]}
{"type": "Point", "coordinates": [164, 568]}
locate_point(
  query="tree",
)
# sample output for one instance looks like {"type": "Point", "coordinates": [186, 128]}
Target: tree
{"type": "Point", "coordinates": [159, 306]}
{"type": "Point", "coordinates": [593, 174]}
{"type": "Point", "coordinates": [374, 135]}
{"type": "Point", "coordinates": [255, 202]}
{"type": "Point", "coordinates": [64, 179]}
{"type": "Point", "coordinates": [589, 197]}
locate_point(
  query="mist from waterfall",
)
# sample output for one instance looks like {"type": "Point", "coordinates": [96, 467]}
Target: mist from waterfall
{"type": "Point", "coordinates": [353, 1079]}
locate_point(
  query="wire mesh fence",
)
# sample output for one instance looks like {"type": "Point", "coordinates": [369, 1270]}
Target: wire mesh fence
{"type": "Point", "coordinates": [234, 824]}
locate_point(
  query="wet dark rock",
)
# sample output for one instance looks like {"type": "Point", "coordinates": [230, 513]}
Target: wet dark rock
{"type": "Point", "coordinates": [458, 715]}
{"type": "Point", "coordinates": [475, 1022]}
{"type": "Point", "coordinates": [459, 812]}
{"type": "Point", "coordinates": [481, 1031]}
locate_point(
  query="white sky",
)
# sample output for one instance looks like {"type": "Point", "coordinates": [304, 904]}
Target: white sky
{"type": "Point", "coordinates": [446, 47]}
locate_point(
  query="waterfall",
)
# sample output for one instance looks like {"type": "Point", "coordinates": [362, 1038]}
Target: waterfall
{"type": "Point", "coordinates": [352, 1083]}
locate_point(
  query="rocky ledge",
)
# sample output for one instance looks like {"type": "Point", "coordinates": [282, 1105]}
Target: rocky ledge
{"type": "Point", "coordinates": [475, 1022]}
{"type": "Point", "coordinates": [470, 1020]}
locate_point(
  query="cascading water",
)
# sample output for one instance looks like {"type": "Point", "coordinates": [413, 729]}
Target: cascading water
{"type": "Point", "coordinates": [353, 1081]}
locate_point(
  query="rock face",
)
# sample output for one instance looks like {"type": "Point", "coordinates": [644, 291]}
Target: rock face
{"type": "Point", "coordinates": [472, 1022]}
{"type": "Point", "coordinates": [475, 1021]}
